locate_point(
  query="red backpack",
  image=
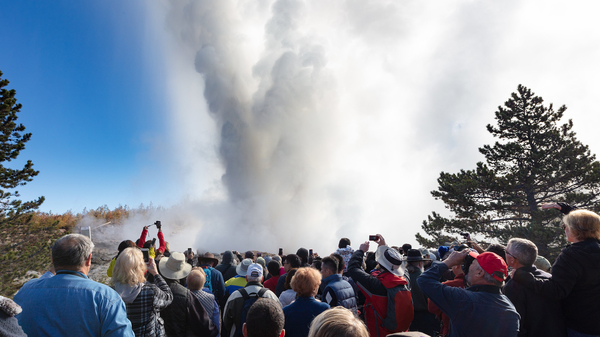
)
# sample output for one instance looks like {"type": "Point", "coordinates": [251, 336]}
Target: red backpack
{"type": "Point", "coordinates": [388, 314]}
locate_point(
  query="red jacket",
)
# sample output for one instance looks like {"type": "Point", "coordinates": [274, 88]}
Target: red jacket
{"type": "Point", "coordinates": [376, 307]}
{"type": "Point", "coordinates": [161, 240]}
{"type": "Point", "coordinates": [271, 283]}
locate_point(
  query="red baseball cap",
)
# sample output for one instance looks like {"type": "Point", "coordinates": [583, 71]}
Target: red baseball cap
{"type": "Point", "coordinates": [492, 264]}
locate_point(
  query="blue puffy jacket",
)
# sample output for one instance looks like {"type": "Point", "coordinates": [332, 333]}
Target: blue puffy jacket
{"type": "Point", "coordinates": [337, 292]}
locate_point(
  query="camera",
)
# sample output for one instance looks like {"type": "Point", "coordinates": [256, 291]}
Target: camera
{"type": "Point", "coordinates": [158, 224]}
{"type": "Point", "coordinates": [372, 237]}
{"type": "Point", "coordinates": [460, 248]}
{"type": "Point", "coordinates": [465, 235]}
{"type": "Point", "coordinates": [467, 264]}
{"type": "Point", "coordinates": [145, 253]}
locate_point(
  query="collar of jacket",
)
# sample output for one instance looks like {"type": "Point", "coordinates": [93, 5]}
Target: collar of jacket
{"type": "Point", "coordinates": [333, 277]}
{"type": "Point", "coordinates": [390, 280]}
{"type": "Point", "coordinates": [254, 284]}
{"type": "Point", "coordinates": [487, 288]}
{"type": "Point", "coordinates": [71, 272]}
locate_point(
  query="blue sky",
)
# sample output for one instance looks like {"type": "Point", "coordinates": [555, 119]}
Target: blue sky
{"type": "Point", "coordinates": [90, 88]}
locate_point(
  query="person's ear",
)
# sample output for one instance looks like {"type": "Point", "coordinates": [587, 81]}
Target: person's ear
{"type": "Point", "coordinates": [244, 330]}
{"type": "Point", "coordinates": [88, 262]}
{"type": "Point", "coordinates": [282, 333]}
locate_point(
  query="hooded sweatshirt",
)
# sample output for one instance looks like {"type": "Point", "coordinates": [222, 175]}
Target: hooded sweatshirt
{"type": "Point", "coordinates": [227, 266]}
{"type": "Point", "coordinates": [127, 292]}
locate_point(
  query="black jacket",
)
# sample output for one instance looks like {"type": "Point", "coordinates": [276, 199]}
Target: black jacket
{"type": "Point", "coordinates": [186, 316]}
{"type": "Point", "coordinates": [540, 316]}
{"type": "Point", "coordinates": [280, 287]}
{"type": "Point", "coordinates": [367, 280]}
{"type": "Point", "coordinates": [576, 280]}
{"type": "Point", "coordinates": [227, 266]}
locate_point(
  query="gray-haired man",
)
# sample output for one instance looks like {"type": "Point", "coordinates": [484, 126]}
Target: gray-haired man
{"type": "Point", "coordinates": [540, 316]}
{"type": "Point", "coordinates": [70, 304]}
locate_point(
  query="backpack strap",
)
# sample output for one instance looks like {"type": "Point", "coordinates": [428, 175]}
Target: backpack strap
{"type": "Point", "coordinates": [244, 294]}
{"type": "Point", "coordinates": [262, 292]}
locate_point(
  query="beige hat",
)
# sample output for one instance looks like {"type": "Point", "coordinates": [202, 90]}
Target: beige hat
{"type": "Point", "coordinates": [242, 268]}
{"type": "Point", "coordinates": [174, 267]}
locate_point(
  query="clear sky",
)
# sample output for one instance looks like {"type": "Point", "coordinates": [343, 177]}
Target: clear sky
{"type": "Point", "coordinates": [86, 75]}
{"type": "Point", "coordinates": [293, 118]}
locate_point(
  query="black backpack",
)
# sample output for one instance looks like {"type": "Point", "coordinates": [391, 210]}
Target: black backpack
{"type": "Point", "coordinates": [249, 300]}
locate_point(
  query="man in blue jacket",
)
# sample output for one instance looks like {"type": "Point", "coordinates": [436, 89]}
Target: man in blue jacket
{"type": "Point", "coordinates": [336, 291]}
{"type": "Point", "coordinates": [70, 304]}
{"type": "Point", "coordinates": [481, 309]}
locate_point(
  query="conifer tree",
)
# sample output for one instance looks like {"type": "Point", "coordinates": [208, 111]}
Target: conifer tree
{"type": "Point", "coordinates": [12, 142]}
{"type": "Point", "coordinates": [535, 161]}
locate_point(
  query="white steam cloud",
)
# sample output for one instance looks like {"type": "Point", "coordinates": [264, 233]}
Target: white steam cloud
{"type": "Point", "coordinates": [296, 123]}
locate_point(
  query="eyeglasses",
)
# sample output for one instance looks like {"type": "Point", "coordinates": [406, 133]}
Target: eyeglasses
{"type": "Point", "coordinates": [506, 251]}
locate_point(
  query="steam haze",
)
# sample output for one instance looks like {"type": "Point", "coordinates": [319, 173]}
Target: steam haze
{"type": "Point", "coordinates": [296, 123]}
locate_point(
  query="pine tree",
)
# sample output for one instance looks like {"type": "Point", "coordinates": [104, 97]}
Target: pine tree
{"type": "Point", "coordinates": [12, 142]}
{"type": "Point", "coordinates": [535, 161]}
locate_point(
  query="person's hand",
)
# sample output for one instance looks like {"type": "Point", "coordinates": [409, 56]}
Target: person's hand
{"type": "Point", "coordinates": [551, 205]}
{"type": "Point", "coordinates": [380, 240]}
{"type": "Point", "coordinates": [151, 265]}
{"type": "Point", "coordinates": [456, 258]}
{"type": "Point", "coordinates": [145, 228]}
{"type": "Point", "coordinates": [364, 246]}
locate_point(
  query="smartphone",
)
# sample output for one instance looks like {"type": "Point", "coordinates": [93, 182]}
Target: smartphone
{"type": "Point", "coordinates": [146, 255]}
{"type": "Point", "coordinates": [189, 251]}
{"type": "Point", "coordinates": [310, 252]}
{"type": "Point", "coordinates": [280, 252]}
{"type": "Point", "coordinates": [372, 237]}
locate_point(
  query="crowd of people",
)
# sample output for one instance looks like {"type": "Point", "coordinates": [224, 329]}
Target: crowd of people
{"type": "Point", "coordinates": [456, 290]}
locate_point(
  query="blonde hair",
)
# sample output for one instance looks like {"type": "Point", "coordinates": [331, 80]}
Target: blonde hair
{"type": "Point", "coordinates": [337, 322]}
{"type": "Point", "coordinates": [196, 279]}
{"type": "Point", "coordinates": [306, 281]}
{"type": "Point", "coordinates": [583, 224]}
{"type": "Point", "coordinates": [130, 267]}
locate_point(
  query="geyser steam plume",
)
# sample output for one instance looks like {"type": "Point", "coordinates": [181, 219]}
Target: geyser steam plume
{"type": "Point", "coordinates": [276, 111]}
{"type": "Point", "coordinates": [333, 119]}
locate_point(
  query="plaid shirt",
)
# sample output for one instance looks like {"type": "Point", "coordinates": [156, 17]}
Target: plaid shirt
{"type": "Point", "coordinates": [144, 311]}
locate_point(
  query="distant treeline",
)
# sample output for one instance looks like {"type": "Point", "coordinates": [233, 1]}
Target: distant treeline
{"type": "Point", "coordinates": [25, 241]}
